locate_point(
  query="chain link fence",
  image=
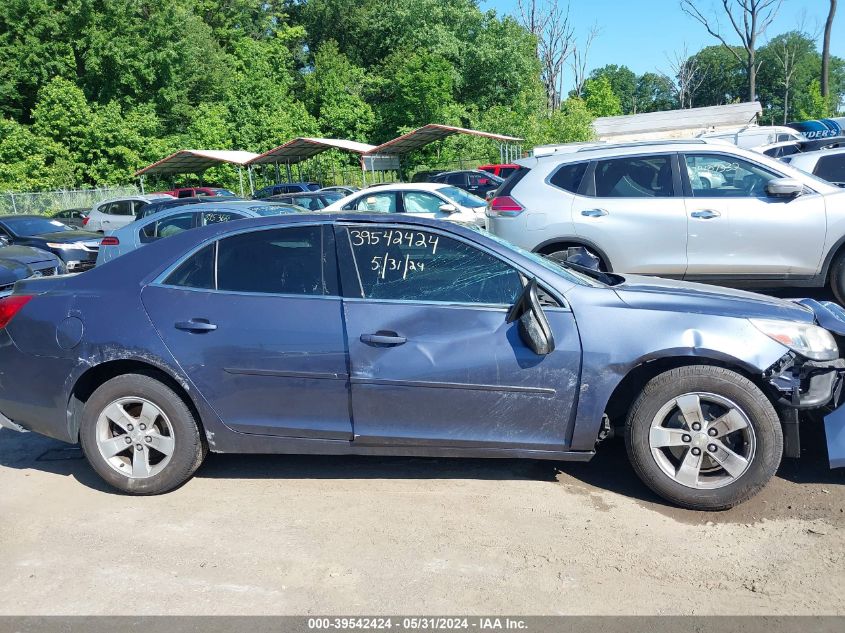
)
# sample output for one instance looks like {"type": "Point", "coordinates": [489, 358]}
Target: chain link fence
{"type": "Point", "coordinates": [46, 202]}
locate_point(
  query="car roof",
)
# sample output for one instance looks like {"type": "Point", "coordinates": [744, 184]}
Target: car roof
{"type": "Point", "coordinates": [811, 158]}
{"type": "Point", "coordinates": [406, 186]}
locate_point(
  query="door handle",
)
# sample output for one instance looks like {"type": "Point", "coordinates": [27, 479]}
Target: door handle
{"type": "Point", "coordinates": [593, 213]}
{"type": "Point", "coordinates": [196, 325]}
{"type": "Point", "coordinates": [389, 339]}
{"type": "Point", "coordinates": [706, 214]}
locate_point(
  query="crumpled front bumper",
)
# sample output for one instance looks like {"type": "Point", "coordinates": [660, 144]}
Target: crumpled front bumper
{"type": "Point", "coordinates": [803, 384]}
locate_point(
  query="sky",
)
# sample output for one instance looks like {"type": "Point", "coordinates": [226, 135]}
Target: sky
{"type": "Point", "coordinates": [641, 33]}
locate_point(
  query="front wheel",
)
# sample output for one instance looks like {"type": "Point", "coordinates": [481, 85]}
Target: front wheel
{"type": "Point", "coordinates": [704, 437]}
{"type": "Point", "coordinates": [837, 278]}
{"type": "Point", "coordinates": [140, 436]}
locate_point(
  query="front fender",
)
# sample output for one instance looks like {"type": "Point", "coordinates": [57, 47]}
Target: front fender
{"type": "Point", "coordinates": [617, 339]}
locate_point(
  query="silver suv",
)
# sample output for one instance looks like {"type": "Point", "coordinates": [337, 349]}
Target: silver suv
{"type": "Point", "coordinates": [697, 210]}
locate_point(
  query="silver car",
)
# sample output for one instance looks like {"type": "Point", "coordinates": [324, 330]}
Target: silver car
{"type": "Point", "coordinates": [695, 210]}
{"type": "Point", "coordinates": [177, 219]}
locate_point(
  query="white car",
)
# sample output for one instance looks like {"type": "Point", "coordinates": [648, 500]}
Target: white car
{"type": "Point", "coordinates": [118, 212]}
{"type": "Point", "coordinates": [828, 164]}
{"type": "Point", "coordinates": [648, 208]}
{"type": "Point", "coordinates": [425, 199]}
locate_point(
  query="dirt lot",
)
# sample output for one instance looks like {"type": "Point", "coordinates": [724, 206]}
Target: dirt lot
{"type": "Point", "coordinates": [303, 535]}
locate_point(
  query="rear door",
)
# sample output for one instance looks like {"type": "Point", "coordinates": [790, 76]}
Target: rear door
{"type": "Point", "coordinates": [737, 230]}
{"type": "Point", "coordinates": [631, 209]}
{"type": "Point", "coordinates": [256, 322]}
{"type": "Point", "coordinates": [433, 361]}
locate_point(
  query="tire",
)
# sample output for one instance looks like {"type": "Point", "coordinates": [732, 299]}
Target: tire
{"type": "Point", "coordinates": [140, 436]}
{"type": "Point", "coordinates": [837, 278]}
{"type": "Point", "coordinates": [581, 255]}
{"type": "Point", "coordinates": [670, 471]}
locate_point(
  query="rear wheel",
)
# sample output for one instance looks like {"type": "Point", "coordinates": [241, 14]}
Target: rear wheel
{"type": "Point", "coordinates": [704, 437]}
{"type": "Point", "coordinates": [140, 436]}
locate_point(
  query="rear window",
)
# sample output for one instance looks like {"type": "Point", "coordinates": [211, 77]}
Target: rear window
{"type": "Point", "coordinates": [831, 168]}
{"type": "Point", "coordinates": [568, 177]}
{"type": "Point", "coordinates": [512, 181]}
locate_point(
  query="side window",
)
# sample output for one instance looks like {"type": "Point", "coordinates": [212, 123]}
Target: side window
{"type": "Point", "coordinates": [459, 180]}
{"type": "Point", "coordinates": [421, 202]}
{"type": "Point", "coordinates": [376, 203]}
{"type": "Point", "coordinates": [634, 177]}
{"type": "Point", "coordinates": [831, 168]}
{"type": "Point", "coordinates": [167, 227]}
{"type": "Point", "coordinates": [277, 261]}
{"type": "Point", "coordinates": [724, 176]}
{"type": "Point", "coordinates": [121, 207]}
{"type": "Point", "coordinates": [104, 208]}
{"type": "Point", "coordinates": [138, 206]}
{"type": "Point", "coordinates": [411, 265]}
{"type": "Point", "coordinates": [568, 177]}
{"type": "Point", "coordinates": [195, 272]}
{"type": "Point", "coordinates": [478, 180]}
{"type": "Point", "coordinates": [185, 193]}
{"type": "Point", "coordinates": [214, 217]}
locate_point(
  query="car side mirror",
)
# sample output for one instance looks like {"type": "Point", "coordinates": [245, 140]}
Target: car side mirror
{"type": "Point", "coordinates": [784, 188]}
{"type": "Point", "coordinates": [533, 326]}
{"type": "Point", "coordinates": [447, 208]}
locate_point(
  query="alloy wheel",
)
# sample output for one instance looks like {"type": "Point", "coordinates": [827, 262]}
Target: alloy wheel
{"type": "Point", "coordinates": [702, 440]}
{"type": "Point", "coordinates": [135, 437]}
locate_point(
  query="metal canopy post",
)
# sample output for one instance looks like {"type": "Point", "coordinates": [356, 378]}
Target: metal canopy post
{"type": "Point", "coordinates": [251, 182]}
{"type": "Point", "coordinates": [287, 167]}
{"type": "Point", "coordinates": [141, 182]}
{"type": "Point", "coordinates": [241, 179]}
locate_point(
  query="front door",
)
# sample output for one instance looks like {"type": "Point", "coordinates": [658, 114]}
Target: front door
{"type": "Point", "coordinates": [433, 361]}
{"type": "Point", "coordinates": [736, 229]}
{"type": "Point", "coordinates": [256, 323]}
{"type": "Point", "coordinates": [632, 211]}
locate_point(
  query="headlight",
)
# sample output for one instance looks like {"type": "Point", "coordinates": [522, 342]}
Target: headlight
{"type": "Point", "coordinates": [64, 247]}
{"type": "Point", "coordinates": [811, 341]}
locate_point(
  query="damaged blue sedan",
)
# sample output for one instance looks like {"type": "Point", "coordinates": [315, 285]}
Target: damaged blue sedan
{"type": "Point", "coordinates": [376, 335]}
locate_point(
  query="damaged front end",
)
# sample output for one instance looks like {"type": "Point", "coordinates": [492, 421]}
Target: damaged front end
{"type": "Point", "coordinates": [801, 384]}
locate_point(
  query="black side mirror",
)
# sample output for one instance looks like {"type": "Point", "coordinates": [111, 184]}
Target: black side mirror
{"type": "Point", "coordinates": [534, 328]}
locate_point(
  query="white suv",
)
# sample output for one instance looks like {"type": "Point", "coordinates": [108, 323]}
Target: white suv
{"type": "Point", "coordinates": [118, 212]}
{"type": "Point", "coordinates": [691, 209]}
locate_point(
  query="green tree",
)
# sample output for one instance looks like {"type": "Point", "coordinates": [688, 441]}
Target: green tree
{"type": "Point", "coordinates": [654, 93]}
{"type": "Point", "coordinates": [334, 94]}
{"type": "Point", "coordinates": [724, 77]}
{"type": "Point", "coordinates": [623, 83]}
{"type": "Point", "coordinates": [600, 98]}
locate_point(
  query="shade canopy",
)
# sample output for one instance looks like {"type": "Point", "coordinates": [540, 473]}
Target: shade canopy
{"type": "Point", "coordinates": [303, 148]}
{"type": "Point", "coordinates": [192, 161]}
{"type": "Point", "coordinates": [430, 133]}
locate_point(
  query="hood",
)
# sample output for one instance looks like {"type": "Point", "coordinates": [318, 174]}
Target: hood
{"type": "Point", "coordinates": [652, 293]}
{"type": "Point", "coordinates": [67, 237]}
{"type": "Point", "coordinates": [25, 254]}
{"type": "Point", "coordinates": [11, 271]}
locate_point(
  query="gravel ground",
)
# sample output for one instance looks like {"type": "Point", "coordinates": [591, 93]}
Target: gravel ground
{"type": "Point", "coordinates": [329, 535]}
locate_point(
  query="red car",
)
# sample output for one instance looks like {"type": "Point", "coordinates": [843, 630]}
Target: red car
{"type": "Point", "coordinates": [191, 192]}
{"type": "Point", "coordinates": [502, 171]}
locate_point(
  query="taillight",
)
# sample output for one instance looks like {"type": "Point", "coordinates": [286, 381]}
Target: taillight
{"type": "Point", "coordinates": [110, 241]}
{"type": "Point", "coordinates": [504, 207]}
{"type": "Point", "coordinates": [10, 306]}
{"type": "Point", "coordinates": [85, 221]}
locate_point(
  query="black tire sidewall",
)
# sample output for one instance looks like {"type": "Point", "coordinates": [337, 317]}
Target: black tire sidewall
{"type": "Point", "coordinates": [837, 278]}
{"type": "Point", "coordinates": [722, 382]}
{"type": "Point", "coordinates": [188, 446]}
